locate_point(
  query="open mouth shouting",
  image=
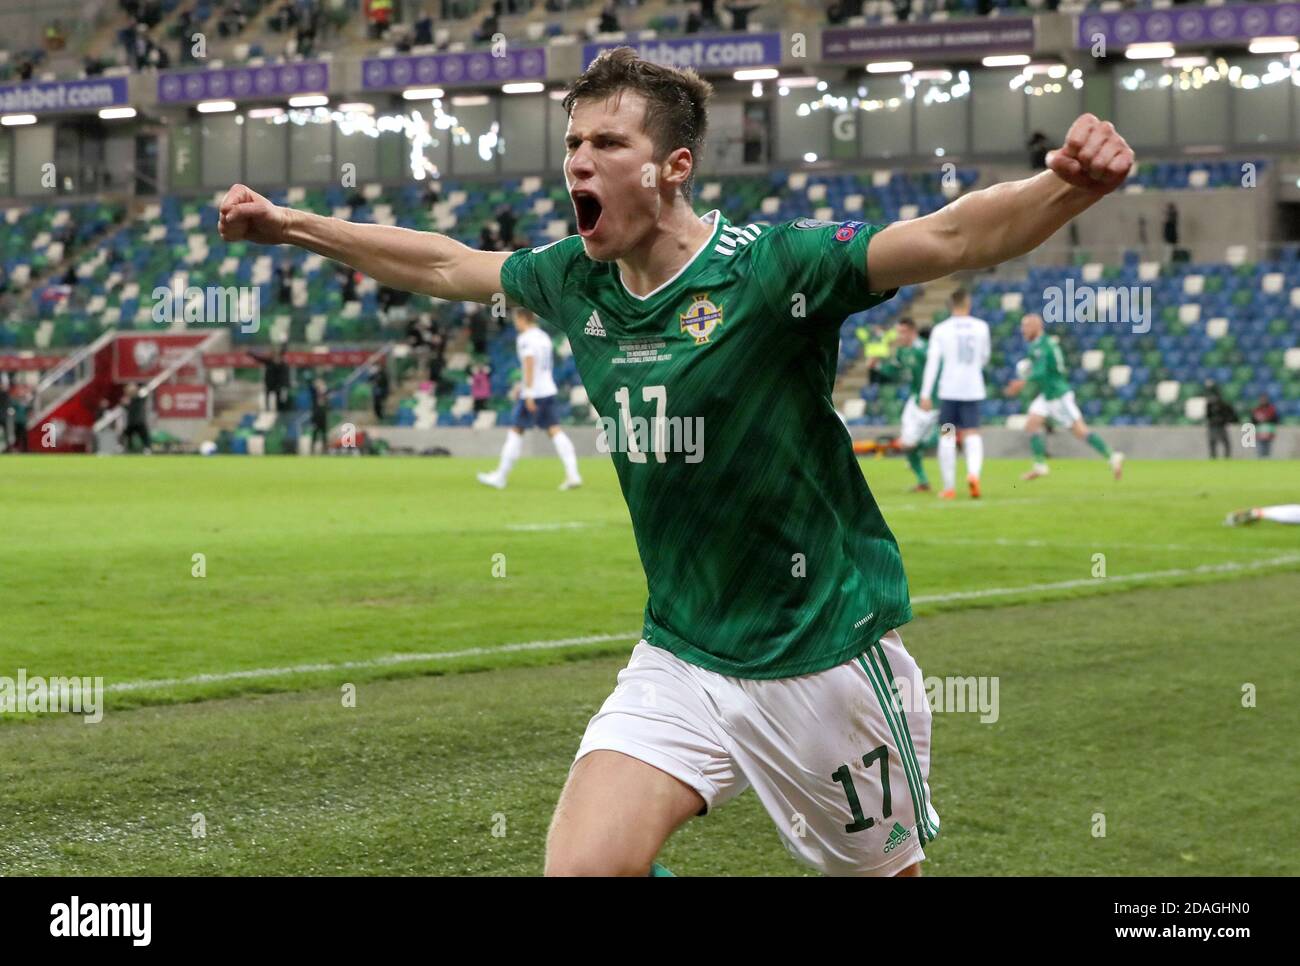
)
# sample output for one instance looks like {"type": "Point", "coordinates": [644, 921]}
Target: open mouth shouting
{"type": "Point", "coordinates": [587, 209]}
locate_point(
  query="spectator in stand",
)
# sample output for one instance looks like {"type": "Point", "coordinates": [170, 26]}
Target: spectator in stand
{"type": "Point", "coordinates": [320, 414]}
{"type": "Point", "coordinates": [694, 21]}
{"type": "Point", "coordinates": [740, 15]}
{"type": "Point", "coordinates": [480, 387]}
{"type": "Point", "coordinates": [5, 416]}
{"type": "Point", "coordinates": [276, 380]}
{"type": "Point", "coordinates": [379, 15]}
{"type": "Point", "coordinates": [231, 19]}
{"type": "Point", "coordinates": [424, 31]}
{"type": "Point", "coordinates": [478, 329]}
{"type": "Point", "coordinates": [608, 23]}
{"type": "Point", "coordinates": [349, 282]}
{"type": "Point", "coordinates": [19, 405]}
{"type": "Point", "coordinates": [432, 194]}
{"type": "Point", "coordinates": [437, 362]}
{"type": "Point", "coordinates": [379, 388]}
{"type": "Point", "coordinates": [136, 401]}
{"type": "Point", "coordinates": [490, 25]}
{"type": "Point", "coordinates": [1219, 414]}
{"type": "Point", "coordinates": [1264, 416]}
{"type": "Point", "coordinates": [1038, 148]}
{"type": "Point", "coordinates": [506, 222]}
{"type": "Point", "coordinates": [284, 282]}
{"type": "Point", "coordinates": [487, 239]}
{"type": "Point", "coordinates": [1171, 232]}
{"type": "Point", "coordinates": [55, 39]}
{"type": "Point", "coordinates": [24, 69]}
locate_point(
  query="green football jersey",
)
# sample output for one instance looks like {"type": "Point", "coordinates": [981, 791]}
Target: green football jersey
{"type": "Point", "coordinates": [907, 365]}
{"type": "Point", "coordinates": [1047, 367]}
{"type": "Point", "coordinates": [765, 554]}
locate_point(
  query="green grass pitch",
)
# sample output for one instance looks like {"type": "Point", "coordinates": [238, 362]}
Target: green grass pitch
{"type": "Point", "coordinates": [1121, 695]}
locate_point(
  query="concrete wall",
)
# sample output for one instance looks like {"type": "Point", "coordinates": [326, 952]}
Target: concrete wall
{"type": "Point", "coordinates": [1208, 221]}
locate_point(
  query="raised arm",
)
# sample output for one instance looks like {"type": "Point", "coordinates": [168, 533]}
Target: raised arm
{"type": "Point", "coordinates": [415, 261]}
{"type": "Point", "coordinates": [988, 227]}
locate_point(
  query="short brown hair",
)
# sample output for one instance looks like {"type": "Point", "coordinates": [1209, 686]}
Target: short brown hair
{"type": "Point", "coordinates": [676, 114]}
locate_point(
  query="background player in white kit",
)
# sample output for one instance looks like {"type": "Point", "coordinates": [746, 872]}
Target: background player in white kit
{"type": "Point", "coordinates": [536, 406]}
{"type": "Point", "coordinates": [959, 350]}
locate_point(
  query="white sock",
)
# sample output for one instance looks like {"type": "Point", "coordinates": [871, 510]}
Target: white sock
{"type": "Point", "coordinates": [948, 460]}
{"type": "Point", "coordinates": [973, 447]}
{"type": "Point", "coordinates": [564, 446]}
{"type": "Point", "coordinates": [1286, 513]}
{"type": "Point", "coordinates": [510, 452]}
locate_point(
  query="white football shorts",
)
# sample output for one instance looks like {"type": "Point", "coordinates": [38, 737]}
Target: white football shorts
{"type": "Point", "coordinates": [1063, 410]}
{"type": "Point", "coordinates": [917, 423]}
{"type": "Point", "coordinates": [839, 758]}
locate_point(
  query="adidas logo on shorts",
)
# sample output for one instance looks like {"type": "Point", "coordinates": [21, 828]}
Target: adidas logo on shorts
{"type": "Point", "coordinates": [594, 326]}
{"type": "Point", "coordinates": [897, 836]}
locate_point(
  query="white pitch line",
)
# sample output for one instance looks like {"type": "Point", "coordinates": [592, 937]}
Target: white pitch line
{"type": "Point", "coordinates": [275, 672]}
{"type": "Point", "coordinates": [394, 659]}
{"type": "Point", "coordinates": [1230, 567]}
{"type": "Point", "coordinates": [572, 525]}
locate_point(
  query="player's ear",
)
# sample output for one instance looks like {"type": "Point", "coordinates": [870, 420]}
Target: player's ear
{"type": "Point", "coordinates": [676, 168]}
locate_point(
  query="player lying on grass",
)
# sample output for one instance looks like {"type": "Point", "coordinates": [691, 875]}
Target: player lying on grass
{"type": "Point", "coordinates": [1282, 513]}
{"type": "Point", "coordinates": [770, 644]}
{"type": "Point", "coordinates": [1045, 370]}
{"type": "Point", "coordinates": [919, 426]}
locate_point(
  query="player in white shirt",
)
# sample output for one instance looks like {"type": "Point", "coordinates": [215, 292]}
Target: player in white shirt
{"type": "Point", "coordinates": [536, 406]}
{"type": "Point", "coordinates": [959, 350]}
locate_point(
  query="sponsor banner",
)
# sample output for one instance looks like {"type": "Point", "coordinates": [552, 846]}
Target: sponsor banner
{"type": "Point", "coordinates": [238, 83]}
{"type": "Point", "coordinates": [464, 67]}
{"type": "Point", "coordinates": [714, 54]}
{"type": "Point", "coordinates": [350, 358]}
{"type": "Point", "coordinates": [181, 401]}
{"type": "Point", "coordinates": [49, 96]}
{"type": "Point", "coordinates": [1190, 25]}
{"type": "Point", "coordinates": [138, 357]}
{"type": "Point", "coordinates": [985, 35]}
{"type": "Point", "coordinates": [13, 363]}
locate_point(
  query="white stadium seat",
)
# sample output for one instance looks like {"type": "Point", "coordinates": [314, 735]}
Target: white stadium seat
{"type": "Point", "coordinates": [1167, 391]}
{"type": "Point", "coordinates": [1216, 328]}
{"type": "Point", "coordinates": [1119, 376]}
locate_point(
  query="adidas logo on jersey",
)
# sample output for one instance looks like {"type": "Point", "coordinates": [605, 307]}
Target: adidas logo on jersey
{"type": "Point", "coordinates": [594, 326]}
{"type": "Point", "coordinates": [897, 836]}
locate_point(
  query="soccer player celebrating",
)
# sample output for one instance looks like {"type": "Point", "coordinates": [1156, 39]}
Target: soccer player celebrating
{"type": "Point", "coordinates": [536, 406]}
{"type": "Point", "coordinates": [959, 351]}
{"type": "Point", "coordinates": [908, 363]}
{"type": "Point", "coordinates": [1055, 399]}
{"type": "Point", "coordinates": [771, 656]}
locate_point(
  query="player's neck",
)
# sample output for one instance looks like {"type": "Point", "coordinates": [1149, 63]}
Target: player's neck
{"type": "Point", "coordinates": [674, 241]}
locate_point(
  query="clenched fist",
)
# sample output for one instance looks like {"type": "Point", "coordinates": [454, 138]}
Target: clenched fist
{"type": "Point", "coordinates": [244, 215]}
{"type": "Point", "coordinates": [1094, 156]}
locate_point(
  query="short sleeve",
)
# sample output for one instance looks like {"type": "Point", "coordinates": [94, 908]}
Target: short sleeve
{"type": "Point", "coordinates": [535, 277]}
{"type": "Point", "coordinates": [820, 267]}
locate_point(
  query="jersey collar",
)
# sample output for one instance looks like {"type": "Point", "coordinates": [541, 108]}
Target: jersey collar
{"type": "Point", "coordinates": [714, 216]}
